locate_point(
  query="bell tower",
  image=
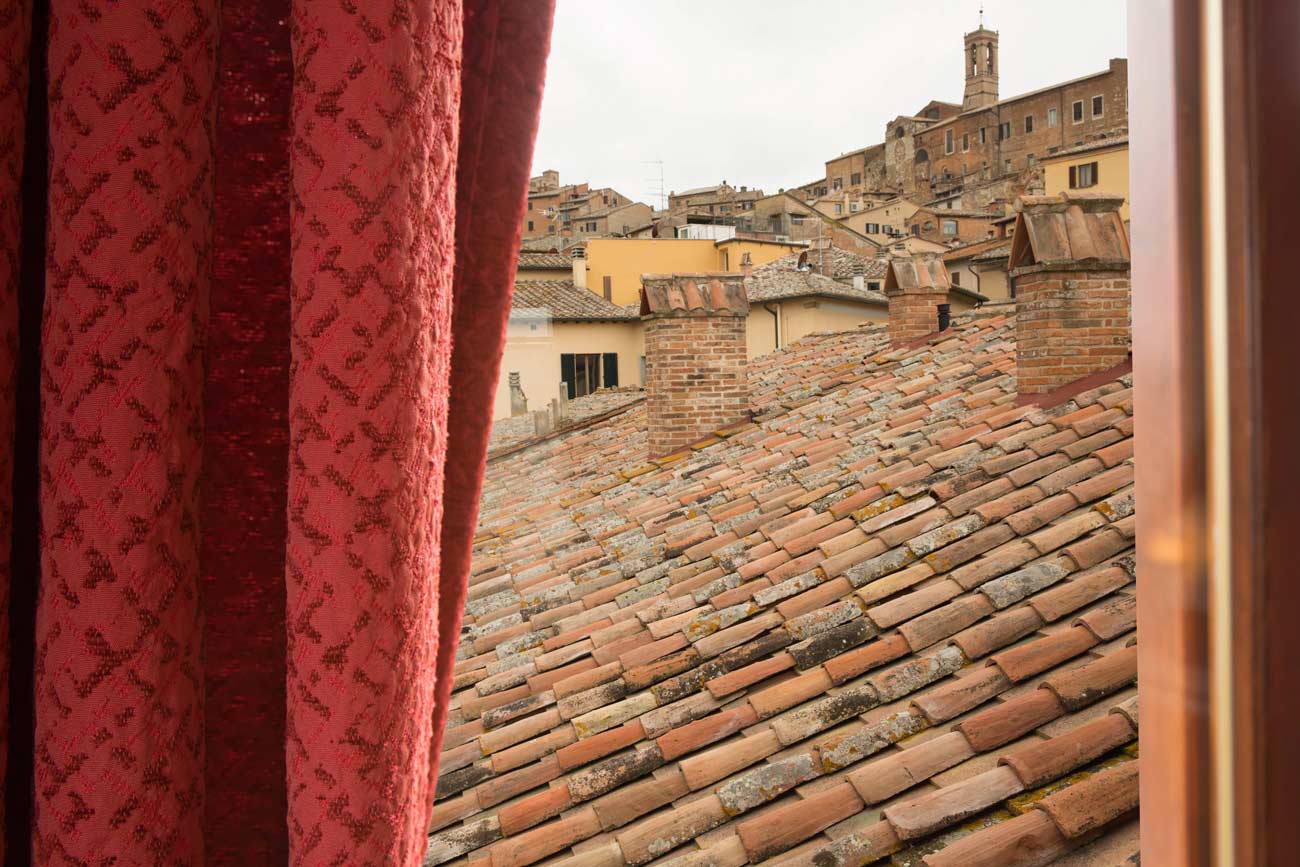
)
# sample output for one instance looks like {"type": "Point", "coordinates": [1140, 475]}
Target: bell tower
{"type": "Point", "coordinates": [980, 58]}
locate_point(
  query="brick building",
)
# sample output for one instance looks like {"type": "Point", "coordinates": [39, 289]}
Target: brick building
{"type": "Point", "coordinates": [982, 153]}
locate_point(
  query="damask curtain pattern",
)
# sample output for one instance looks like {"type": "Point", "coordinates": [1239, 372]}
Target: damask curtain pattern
{"type": "Point", "coordinates": [275, 274]}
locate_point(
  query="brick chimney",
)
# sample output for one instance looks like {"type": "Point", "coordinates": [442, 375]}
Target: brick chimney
{"type": "Point", "coordinates": [695, 356]}
{"type": "Point", "coordinates": [1069, 266]}
{"type": "Point", "coordinates": [915, 286]}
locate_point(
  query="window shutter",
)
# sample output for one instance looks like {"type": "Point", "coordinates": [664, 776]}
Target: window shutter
{"type": "Point", "coordinates": [1095, 177]}
{"type": "Point", "coordinates": [1074, 177]}
{"type": "Point", "coordinates": [610, 364]}
{"type": "Point", "coordinates": [609, 288]}
{"type": "Point", "coordinates": [567, 374]}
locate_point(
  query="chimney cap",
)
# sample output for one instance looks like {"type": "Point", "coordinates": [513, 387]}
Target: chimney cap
{"type": "Point", "coordinates": [579, 252]}
{"type": "Point", "coordinates": [695, 294]}
{"type": "Point", "coordinates": [923, 272]}
{"type": "Point", "coordinates": [1069, 231]}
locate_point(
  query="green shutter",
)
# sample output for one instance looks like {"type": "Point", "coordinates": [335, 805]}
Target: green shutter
{"type": "Point", "coordinates": [1074, 177]}
{"type": "Point", "coordinates": [567, 373]}
{"type": "Point", "coordinates": [610, 370]}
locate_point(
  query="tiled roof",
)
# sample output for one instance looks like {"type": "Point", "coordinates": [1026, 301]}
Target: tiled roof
{"type": "Point", "coordinates": [562, 300]}
{"type": "Point", "coordinates": [976, 249]}
{"type": "Point", "coordinates": [893, 617]}
{"type": "Point", "coordinates": [529, 260]}
{"type": "Point", "coordinates": [1094, 145]}
{"type": "Point", "coordinates": [770, 283]}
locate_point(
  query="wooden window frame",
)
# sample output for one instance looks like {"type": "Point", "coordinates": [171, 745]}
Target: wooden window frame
{"type": "Point", "coordinates": [1215, 112]}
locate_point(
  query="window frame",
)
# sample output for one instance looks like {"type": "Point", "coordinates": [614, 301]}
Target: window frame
{"type": "Point", "coordinates": [1077, 116]}
{"type": "Point", "coordinates": [1096, 114]}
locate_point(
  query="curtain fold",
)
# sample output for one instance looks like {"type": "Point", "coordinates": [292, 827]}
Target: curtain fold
{"type": "Point", "coordinates": [15, 34]}
{"type": "Point", "coordinates": [278, 259]}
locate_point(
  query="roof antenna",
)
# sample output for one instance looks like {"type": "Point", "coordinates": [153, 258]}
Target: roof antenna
{"type": "Point", "coordinates": [981, 16]}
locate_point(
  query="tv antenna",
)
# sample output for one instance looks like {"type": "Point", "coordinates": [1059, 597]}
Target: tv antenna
{"type": "Point", "coordinates": [657, 183]}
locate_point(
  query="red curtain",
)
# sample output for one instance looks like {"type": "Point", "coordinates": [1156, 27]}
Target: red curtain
{"type": "Point", "coordinates": [267, 246]}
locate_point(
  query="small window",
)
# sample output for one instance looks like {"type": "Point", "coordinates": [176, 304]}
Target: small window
{"type": "Point", "coordinates": [984, 137]}
{"type": "Point", "coordinates": [1078, 110]}
{"type": "Point", "coordinates": [929, 225]}
{"type": "Point", "coordinates": [956, 278]}
{"type": "Point", "coordinates": [947, 142]}
{"type": "Point", "coordinates": [1098, 105]}
{"type": "Point", "coordinates": [839, 209]}
{"type": "Point", "coordinates": [1031, 160]}
{"type": "Point", "coordinates": [916, 230]}
{"type": "Point", "coordinates": [1084, 175]}
{"type": "Point", "coordinates": [948, 227]}
{"type": "Point", "coordinates": [607, 287]}
{"type": "Point", "coordinates": [1006, 167]}
{"type": "Point", "coordinates": [853, 206]}
{"type": "Point", "coordinates": [856, 178]}
{"type": "Point", "coordinates": [965, 142]}
{"type": "Point", "coordinates": [898, 132]}
{"type": "Point", "coordinates": [530, 225]}
{"type": "Point", "coordinates": [874, 285]}
{"type": "Point", "coordinates": [1029, 124]}
{"type": "Point", "coordinates": [838, 183]}
{"type": "Point", "coordinates": [873, 228]}
{"type": "Point", "coordinates": [1052, 118]}
{"type": "Point", "coordinates": [1004, 131]}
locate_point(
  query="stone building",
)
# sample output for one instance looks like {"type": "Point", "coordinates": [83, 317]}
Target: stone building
{"type": "Point", "coordinates": [984, 152]}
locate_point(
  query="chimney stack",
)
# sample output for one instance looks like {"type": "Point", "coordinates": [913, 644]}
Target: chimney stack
{"type": "Point", "coordinates": [695, 354]}
{"type": "Point", "coordinates": [859, 276]}
{"type": "Point", "coordinates": [746, 266]}
{"type": "Point", "coordinates": [915, 286]}
{"type": "Point", "coordinates": [1069, 264]}
{"type": "Point", "coordinates": [580, 267]}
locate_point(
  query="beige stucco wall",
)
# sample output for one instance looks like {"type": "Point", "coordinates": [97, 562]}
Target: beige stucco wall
{"type": "Point", "coordinates": [1112, 174]}
{"type": "Point", "coordinates": [803, 316]}
{"type": "Point", "coordinates": [543, 274]}
{"type": "Point", "coordinates": [534, 349]}
{"type": "Point", "coordinates": [991, 282]}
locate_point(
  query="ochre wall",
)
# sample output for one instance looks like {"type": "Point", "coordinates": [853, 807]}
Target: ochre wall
{"type": "Point", "coordinates": [535, 354]}
{"type": "Point", "coordinates": [624, 260]}
{"type": "Point", "coordinates": [1112, 174]}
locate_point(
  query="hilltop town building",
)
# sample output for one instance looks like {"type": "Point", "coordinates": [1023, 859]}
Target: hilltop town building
{"type": "Point", "coordinates": [981, 154]}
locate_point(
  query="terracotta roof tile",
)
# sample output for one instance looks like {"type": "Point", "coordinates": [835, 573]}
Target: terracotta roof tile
{"type": "Point", "coordinates": [780, 628]}
{"type": "Point", "coordinates": [1089, 804]}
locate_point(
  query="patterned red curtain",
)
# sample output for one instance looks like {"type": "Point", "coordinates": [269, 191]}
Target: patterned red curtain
{"type": "Point", "coordinates": [255, 267]}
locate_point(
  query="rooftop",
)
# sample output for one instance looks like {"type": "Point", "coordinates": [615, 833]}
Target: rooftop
{"type": "Point", "coordinates": [1087, 147]}
{"type": "Point", "coordinates": [563, 301]}
{"type": "Point", "coordinates": [891, 618]}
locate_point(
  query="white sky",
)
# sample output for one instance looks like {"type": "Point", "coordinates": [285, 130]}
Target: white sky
{"type": "Point", "coordinates": [762, 92]}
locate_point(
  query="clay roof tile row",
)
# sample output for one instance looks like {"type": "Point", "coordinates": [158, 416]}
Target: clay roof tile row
{"type": "Point", "coordinates": [897, 590]}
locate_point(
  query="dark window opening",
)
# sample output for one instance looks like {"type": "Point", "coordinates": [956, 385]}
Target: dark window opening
{"type": "Point", "coordinates": [1082, 176]}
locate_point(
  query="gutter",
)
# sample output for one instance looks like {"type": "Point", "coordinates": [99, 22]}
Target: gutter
{"type": "Point", "coordinates": [776, 324]}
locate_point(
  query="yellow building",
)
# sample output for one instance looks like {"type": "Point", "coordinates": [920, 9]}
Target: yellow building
{"type": "Point", "coordinates": [614, 266]}
{"type": "Point", "coordinates": [884, 221]}
{"type": "Point", "coordinates": [1096, 167]}
{"type": "Point", "coordinates": [560, 333]}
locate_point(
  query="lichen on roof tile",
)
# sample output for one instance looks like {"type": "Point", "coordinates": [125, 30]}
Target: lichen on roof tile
{"type": "Point", "coordinates": [894, 579]}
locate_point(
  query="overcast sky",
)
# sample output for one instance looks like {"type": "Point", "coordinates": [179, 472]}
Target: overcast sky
{"type": "Point", "coordinates": [762, 92]}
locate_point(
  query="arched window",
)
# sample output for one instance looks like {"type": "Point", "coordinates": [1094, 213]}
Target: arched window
{"type": "Point", "coordinates": [898, 132]}
{"type": "Point", "coordinates": [922, 156]}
